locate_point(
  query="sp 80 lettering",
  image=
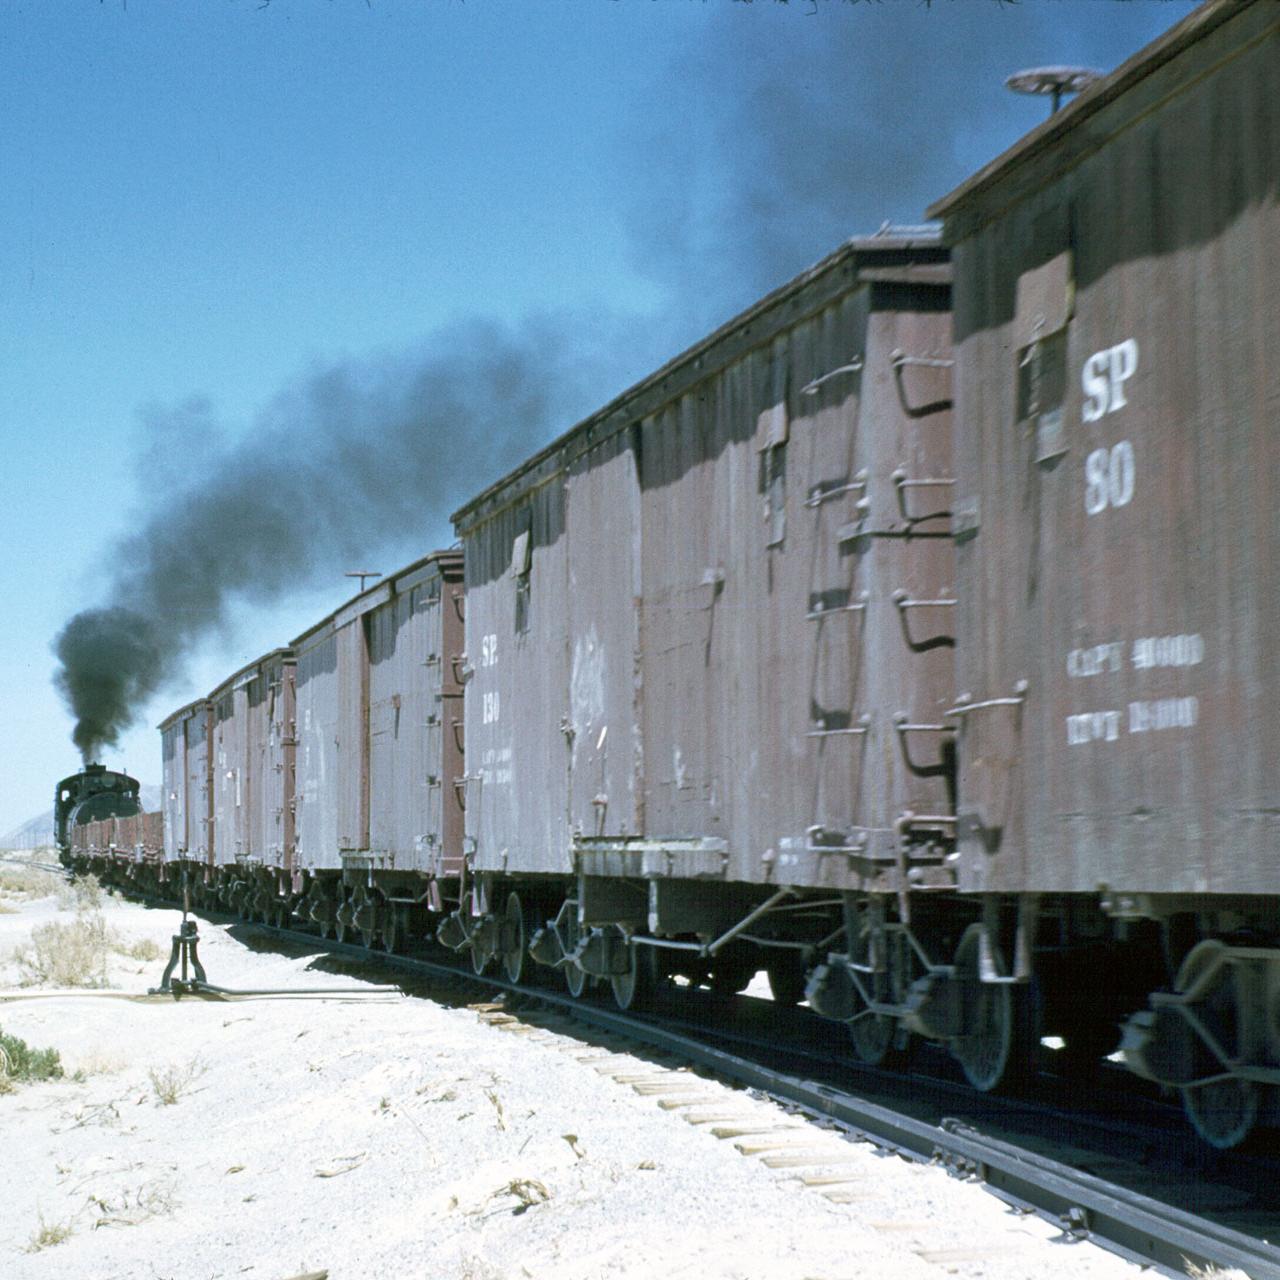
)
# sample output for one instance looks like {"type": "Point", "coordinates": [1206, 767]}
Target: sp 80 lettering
{"type": "Point", "coordinates": [1108, 478]}
{"type": "Point", "coordinates": [1108, 472]}
{"type": "Point", "coordinates": [1103, 378]}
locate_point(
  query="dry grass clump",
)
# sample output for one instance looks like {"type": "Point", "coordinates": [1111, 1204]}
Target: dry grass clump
{"type": "Point", "coordinates": [141, 949]}
{"type": "Point", "coordinates": [131, 1208]}
{"type": "Point", "coordinates": [175, 1081]}
{"type": "Point", "coordinates": [28, 882]}
{"type": "Point", "coordinates": [76, 953]}
{"type": "Point", "coordinates": [49, 1233]}
{"type": "Point", "coordinates": [84, 893]}
{"type": "Point", "coordinates": [66, 954]}
{"type": "Point", "coordinates": [474, 1267]}
{"type": "Point", "coordinates": [98, 1062]}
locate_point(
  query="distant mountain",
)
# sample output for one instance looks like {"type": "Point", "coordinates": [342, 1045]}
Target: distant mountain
{"type": "Point", "coordinates": [36, 833]}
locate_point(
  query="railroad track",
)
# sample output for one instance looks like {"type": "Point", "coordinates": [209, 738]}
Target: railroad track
{"type": "Point", "coordinates": [54, 867]}
{"type": "Point", "coordinates": [998, 1141]}
{"type": "Point", "coordinates": [1019, 1170]}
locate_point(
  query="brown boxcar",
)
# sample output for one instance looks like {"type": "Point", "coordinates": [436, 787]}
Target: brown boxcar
{"type": "Point", "coordinates": [245, 740]}
{"type": "Point", "coordinates": [1117, 329]}
{"type": "Point", "coordinates": [249, 719]}
{"type": "Point", "coordinates": [710, 629]}
{"type": "Point", "coordinates": [186, 792]}
{"type": "Point", "coordinates": [378, 790]}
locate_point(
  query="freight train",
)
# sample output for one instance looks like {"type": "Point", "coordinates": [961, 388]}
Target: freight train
{"type": "Point", "coordinates": [911, 638]}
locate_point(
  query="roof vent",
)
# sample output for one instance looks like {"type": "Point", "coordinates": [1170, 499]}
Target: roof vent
{"type": "Point", "coordinates": [1053, 80]}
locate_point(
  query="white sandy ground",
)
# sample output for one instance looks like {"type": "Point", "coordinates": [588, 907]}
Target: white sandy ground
{"type": "Point", "coordinates": [403, 1139]}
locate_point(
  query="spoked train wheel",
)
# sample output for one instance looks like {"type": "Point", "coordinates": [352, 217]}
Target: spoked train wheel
{"type": "Point", "coordinates": [362, 907]}
{"type": "Point", "coordinates": [996, 1048]}
{"type": "Point", "coordinates": [342, 932]}
{"type": "Point", "coordinates": [872, 1036]}
{"type": "Point", "coordinates": [514, 940]}
{"type": "Point", "coordinates": [633, 988]}
{"type": "Point", "coordinates": [1222, 1111]}
{"type": "Point", "coordinates": [575, 979]}
{"type": "Point", "coordinates": [392, 928]}
{"type": "Point", "coordinates": [479, 959]}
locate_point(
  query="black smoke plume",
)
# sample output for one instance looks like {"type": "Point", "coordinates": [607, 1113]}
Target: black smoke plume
{"type": "Point", "coordinates": [794, 126]}
{"type": "Point", "coordinates": [353, 459]}
{"type": "Point", "coordinates": [797, 125]}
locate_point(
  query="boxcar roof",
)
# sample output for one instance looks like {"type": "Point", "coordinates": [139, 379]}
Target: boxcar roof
{"type": "Point", "coordinates": [1193, 28]}
{"type": "Point", "coordinates": [381, 591]}
{"type": "Point", "coordinates": [237, 677]}
{"type": "Point", "coordinates": [888, 257]}
{"type": "Point", "coordinates": [181, 713]}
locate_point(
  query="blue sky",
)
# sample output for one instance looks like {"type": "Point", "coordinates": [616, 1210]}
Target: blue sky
{"type": "Point", "coordinates": [213, 201]}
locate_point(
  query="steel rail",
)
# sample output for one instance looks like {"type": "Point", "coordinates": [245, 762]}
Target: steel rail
{"type": "Point", "coordinates": [52, 867]}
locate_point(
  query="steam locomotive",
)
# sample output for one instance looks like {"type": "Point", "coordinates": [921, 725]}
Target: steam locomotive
{"type": "Point", "coordinates": [910, 638]}
{"type": "Point", "coordinates": [94, 794]}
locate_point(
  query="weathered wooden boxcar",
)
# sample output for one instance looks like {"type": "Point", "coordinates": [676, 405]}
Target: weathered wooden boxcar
{"type": "Point", "coordinates": [1117, 326]}
{"type": "Point", "coordinates": [251, 747]}
{"type": "Point", "coordinates": [379, 761]}
{"type": "Point", "coordinates": [710, 637]}
{"type": "Point", "coordinates": [187, 796]}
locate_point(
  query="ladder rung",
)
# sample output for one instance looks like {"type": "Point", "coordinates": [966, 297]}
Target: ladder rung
{"type": "Point", "coordinates": [900, 358]}
{"type": "Point", "coordinates": [818, 495]}
{"type": "Point", "coordinates": [815, 614]}
{"type": "Point", "coordinates": [811, 388]}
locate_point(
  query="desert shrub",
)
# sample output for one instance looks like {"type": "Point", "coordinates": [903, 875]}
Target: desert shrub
{"type": "Point", "coordinates": [84, 893]}
{"type": "Point", "coordinates": [174, 1081]}
{"type": "Point", "coordinates": [19, 1061]}
{"type": "Point", "coordinates": [49, 1233]}
{"type": "Point", "coordinates": [62, 954]}
{"type": "Point", "coordinates": [28, 882]}
{"type": "Point", "coordinates": [141, 949]}
{"type": "Point", "coordinates": [130, 1207]}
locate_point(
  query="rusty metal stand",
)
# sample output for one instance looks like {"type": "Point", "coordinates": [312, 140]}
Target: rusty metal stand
{"type": "Point", "coordinates": [185, 952]}
{"type": "Point", "coordinates": [184, 955]}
